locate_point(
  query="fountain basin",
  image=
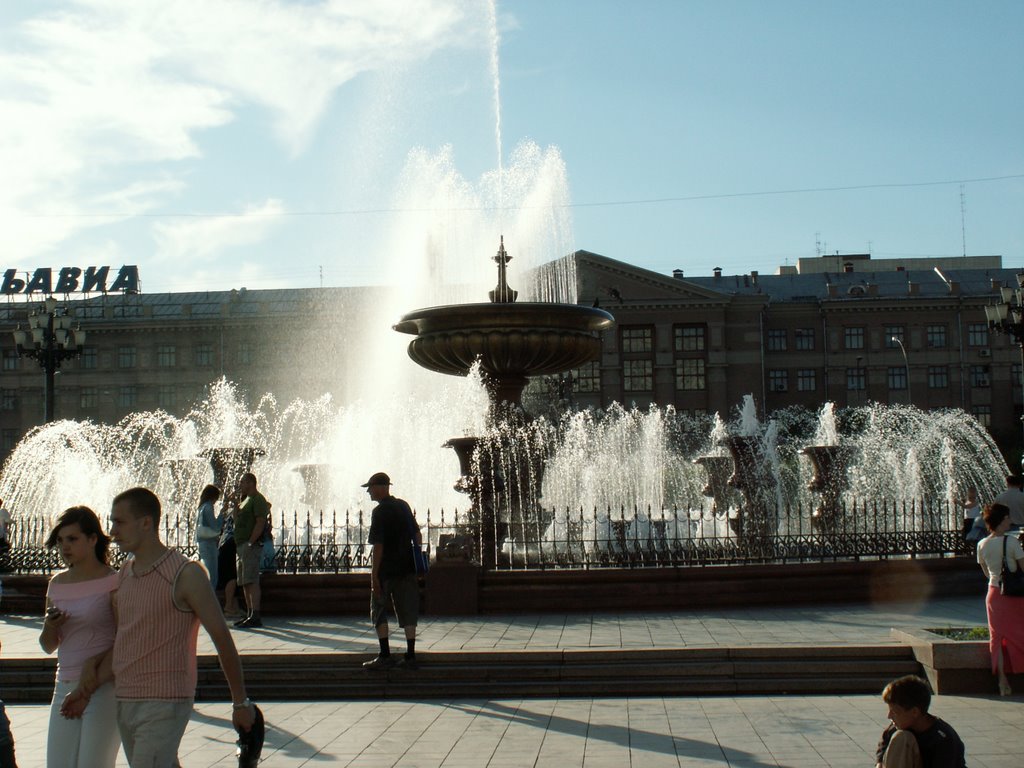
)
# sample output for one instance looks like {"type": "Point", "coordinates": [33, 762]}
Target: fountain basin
{"type": "Point", "coordinates": [511, 341]}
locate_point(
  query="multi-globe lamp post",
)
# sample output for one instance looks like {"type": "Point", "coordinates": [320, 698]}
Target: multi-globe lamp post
{"type": "Point", "coordinates": [49, 340]}
{"type": "Point", "coordinates": [1007, 316]}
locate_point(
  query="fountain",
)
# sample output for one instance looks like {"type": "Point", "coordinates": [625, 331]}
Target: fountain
{"type": "Point", "coordinates": [605, 480]}
{"type": "Point", "coordinates": [509, 342]}
{"type": "Point", "coordinates": [829, 462]}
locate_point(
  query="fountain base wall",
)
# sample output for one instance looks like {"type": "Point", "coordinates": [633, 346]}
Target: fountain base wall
{"type": "Point", "coordinates": [610, 589]}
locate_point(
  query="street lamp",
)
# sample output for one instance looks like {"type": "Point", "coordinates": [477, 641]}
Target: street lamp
{"type": "Point", "coordinates": [1007, 316]}
{"type": "Point", "coordinates": [906, 364]}
{"type": "Point", "coordinates": [49, 340]}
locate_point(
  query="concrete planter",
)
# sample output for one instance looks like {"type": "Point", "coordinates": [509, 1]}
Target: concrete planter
{"type": "Point", "coordinates": [951, 666]}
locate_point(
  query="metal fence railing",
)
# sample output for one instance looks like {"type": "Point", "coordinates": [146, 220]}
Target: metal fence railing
{"type": "Point", "coordinates": [335, 542]}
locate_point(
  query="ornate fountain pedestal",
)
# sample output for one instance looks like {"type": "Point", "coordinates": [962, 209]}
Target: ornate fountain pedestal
{"type": "Point", "coordinates": [511, 342]}
{"type": "Point", "coordinates": [829, 462]}
{"type": "Point", "coordinates": [316, 481]}
{"type": "Point", "coordinates": [229, 464]}
{"type": "Point", "coordinates": [186, 480]}
{"type": "Point", "coordinates": [756, 518]}
{"type": "Point", "coordinates": [718, 489]}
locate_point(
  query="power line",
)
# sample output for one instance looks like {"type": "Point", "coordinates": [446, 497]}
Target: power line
{"type": "Point", "coordinates": [592, 204]}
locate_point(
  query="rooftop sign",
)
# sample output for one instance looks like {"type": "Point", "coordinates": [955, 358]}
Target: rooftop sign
{"type": "Point", "coordinates": [71, 280]}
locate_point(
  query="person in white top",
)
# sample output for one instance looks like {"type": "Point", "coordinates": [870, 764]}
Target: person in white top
{"type": "Point", "coordinates": [972, 522]}
{"type": "Point", "coordinates": [1013, 499]}
{"type": "Point", "coordinates": [1005, 614]}
{"type": "Point", "coordinates": [79, 624]}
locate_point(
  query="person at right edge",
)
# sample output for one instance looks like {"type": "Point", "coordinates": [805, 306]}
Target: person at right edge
{"type": "Point", "coordinates": [393, 529]}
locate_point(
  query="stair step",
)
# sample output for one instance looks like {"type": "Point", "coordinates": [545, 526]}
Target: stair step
{"type": "Point", "coordinates": [549, 673]}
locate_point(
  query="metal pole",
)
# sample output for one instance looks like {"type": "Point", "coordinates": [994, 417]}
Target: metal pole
{"type": "Point", "coordinates": [906, 364]}
{"type": "Point", "coordinates": [1021, 344]}
{"type": "Point", "coordinates": [50, 369]}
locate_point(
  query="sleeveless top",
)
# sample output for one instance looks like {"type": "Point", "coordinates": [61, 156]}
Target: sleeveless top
{"type": "Point", "coordinates": [155, 648]}
{"type": "Point", "coordinates": [90, 627]}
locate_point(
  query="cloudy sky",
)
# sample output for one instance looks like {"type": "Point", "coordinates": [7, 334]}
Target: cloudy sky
{"type": "Point", "coordinates": [286, 143]}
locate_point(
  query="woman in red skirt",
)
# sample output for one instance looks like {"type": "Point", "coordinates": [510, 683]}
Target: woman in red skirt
{"type": "Point", "coordinates": [1005, 614]}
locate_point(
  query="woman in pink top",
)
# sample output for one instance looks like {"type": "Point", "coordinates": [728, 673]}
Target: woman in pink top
{"type": "Point", "coordinates": [79, 625]}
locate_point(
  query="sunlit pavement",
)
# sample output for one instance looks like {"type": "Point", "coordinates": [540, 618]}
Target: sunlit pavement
{"type": "Point", "coordinates": [748, 731]}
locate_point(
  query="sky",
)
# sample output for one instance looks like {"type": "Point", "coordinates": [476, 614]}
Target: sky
{"type": "Point", "coordinates": [218, 144]}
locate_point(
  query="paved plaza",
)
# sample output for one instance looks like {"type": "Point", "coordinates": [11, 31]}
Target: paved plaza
{"type": "Point", "coordinates": [720, 732]}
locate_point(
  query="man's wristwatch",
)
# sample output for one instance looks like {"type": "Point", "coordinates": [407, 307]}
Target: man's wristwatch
{"type": "Point", "coordinates": [246, 703]}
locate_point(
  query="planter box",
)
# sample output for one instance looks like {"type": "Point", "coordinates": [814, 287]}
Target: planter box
{"type": "Point", "coordinates": [951, 666]}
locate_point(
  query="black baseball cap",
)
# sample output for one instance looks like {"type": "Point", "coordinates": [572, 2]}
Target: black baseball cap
{"type": "Point", "coordinates": [377, 478]}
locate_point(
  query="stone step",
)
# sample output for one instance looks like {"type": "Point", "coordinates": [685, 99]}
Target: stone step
{"type": "Point", "coordinates": [623, 672]}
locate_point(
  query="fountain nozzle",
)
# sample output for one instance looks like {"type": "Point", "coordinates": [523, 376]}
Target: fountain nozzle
{"type": "Point", "coordinates": [502, 294]}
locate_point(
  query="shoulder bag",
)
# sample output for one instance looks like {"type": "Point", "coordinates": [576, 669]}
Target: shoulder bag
{"type": "Point", "coordinates": [420, 559]}
{"type": "Point", "coordinates": [1011, 583]}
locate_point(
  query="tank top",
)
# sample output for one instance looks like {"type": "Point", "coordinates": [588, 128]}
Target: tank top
{"type": "Point", "coordinates": [155, 648]}
{"type": "Point", "coordinates": [89, 629]}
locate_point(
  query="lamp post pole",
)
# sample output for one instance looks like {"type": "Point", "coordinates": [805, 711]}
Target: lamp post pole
{"type": "Point", "coordinates": [49, 340]}
{"type": "Point", "coordinates": [906, 364]}
{"type": "Point", "coordinates": [1007, 316]}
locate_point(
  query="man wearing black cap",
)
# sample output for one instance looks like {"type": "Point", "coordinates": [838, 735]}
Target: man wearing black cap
{"type": "Point", "coordinates": [393, 529]}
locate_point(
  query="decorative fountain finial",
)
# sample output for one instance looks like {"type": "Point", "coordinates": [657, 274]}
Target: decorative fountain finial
{"type": "Point", "coordinates": [502, 294]}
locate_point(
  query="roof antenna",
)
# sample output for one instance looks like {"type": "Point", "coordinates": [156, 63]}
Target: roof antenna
{"type": "Point", "coordinates": [963, 219]}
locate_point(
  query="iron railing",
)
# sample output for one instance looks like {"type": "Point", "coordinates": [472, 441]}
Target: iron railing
{"type": "Point", "coordinates": [333, 542]}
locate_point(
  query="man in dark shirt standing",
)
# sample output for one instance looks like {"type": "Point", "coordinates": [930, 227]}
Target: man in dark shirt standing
{"type": "Point", "coordinates": [915, 739]}
{"type": "Point", "coordinates": [393, 529]}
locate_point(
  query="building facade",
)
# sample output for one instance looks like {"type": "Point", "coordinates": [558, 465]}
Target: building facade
{"type": "Point", "coordinates": [895, 336]}
{"type": "Point", "coordinates": [888, 332]}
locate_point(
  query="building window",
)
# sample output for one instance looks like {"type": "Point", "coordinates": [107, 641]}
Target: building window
{"type": "Point", "coordinates": [9, 399]}
{"type": "Point", "coordinates": [778, 380]}
{"type": "Point", "coordinates": [777, 340]}
{"type": "Point", "coordinates": [977, 335]}
{"type": "Point", "coordinates": [10, 360]}
{"type": "Point", "coordinates": [1015, 380]}
{"type": "Point", "coordinates": [637, 339]}
{"type": "Point", "coordinates": [88, 358]}
{"type": "Point", "coordinates": [126, 357]}
{"type": "Point", "coordinates": [690, 374]}
{"type": "Point", "coordinates": [894, 332]}
{"type": "Point", "coordinates": [979, 376]}
{"type": "Point", "coordinates": [166, 355]}
{"type": "Point", "coordinates": [128, 396]}
{"type": "Point", "coordinates": [983, 413]}
{"type": "Point", "coordinates": [806, 380]}
{"type": "Point", "coordinates": [854, 337]}
{"type": "Point", "coordinates": [245, 353]}
{"type": "Point", "coordinates": [87, 398]}
{"type": "Point", "coordinates": [804, 339]}
{"type": "Point", "coordinates": [690, 338]}
{"type": "Point", "coordinates": [10, 439]}
{"type": "Point", "coordinates": [166, 396]}
{"type": "Point", "coordinates": [587, 378]}
{"type": "Point", "coordinates": [936, 335]}
{"type": "Point", "coordinates": [938, 377]}
{"type": "Point", "coordinates": [897, 377]}
{"type": "Point", "coordinates": [856, 378]}
{"type": "Point", "coordinates": [204, 354]}
{"type": "Point", "coordinates": [639, 375]}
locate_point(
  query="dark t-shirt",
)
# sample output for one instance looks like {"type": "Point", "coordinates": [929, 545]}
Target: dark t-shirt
{"type": "Point", "coordinates": [940, 746]}
{"type": "Point", "coordinates": [390, 526]}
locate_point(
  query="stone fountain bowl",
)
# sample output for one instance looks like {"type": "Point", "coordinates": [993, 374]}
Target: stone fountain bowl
{"type": "Point", "coordinates": [510, 340]}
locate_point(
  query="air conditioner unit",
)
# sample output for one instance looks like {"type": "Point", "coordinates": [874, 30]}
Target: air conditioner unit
{"type": "Point", "coordinates": [985, 352]}
{"type": "Point", "coordinates": [983, 381]}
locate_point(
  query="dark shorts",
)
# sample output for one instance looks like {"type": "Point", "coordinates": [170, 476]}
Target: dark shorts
{"type": "Point", "coordinates": [248, 559]}
{"type": "Point", "coordinates": [404, 594]}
